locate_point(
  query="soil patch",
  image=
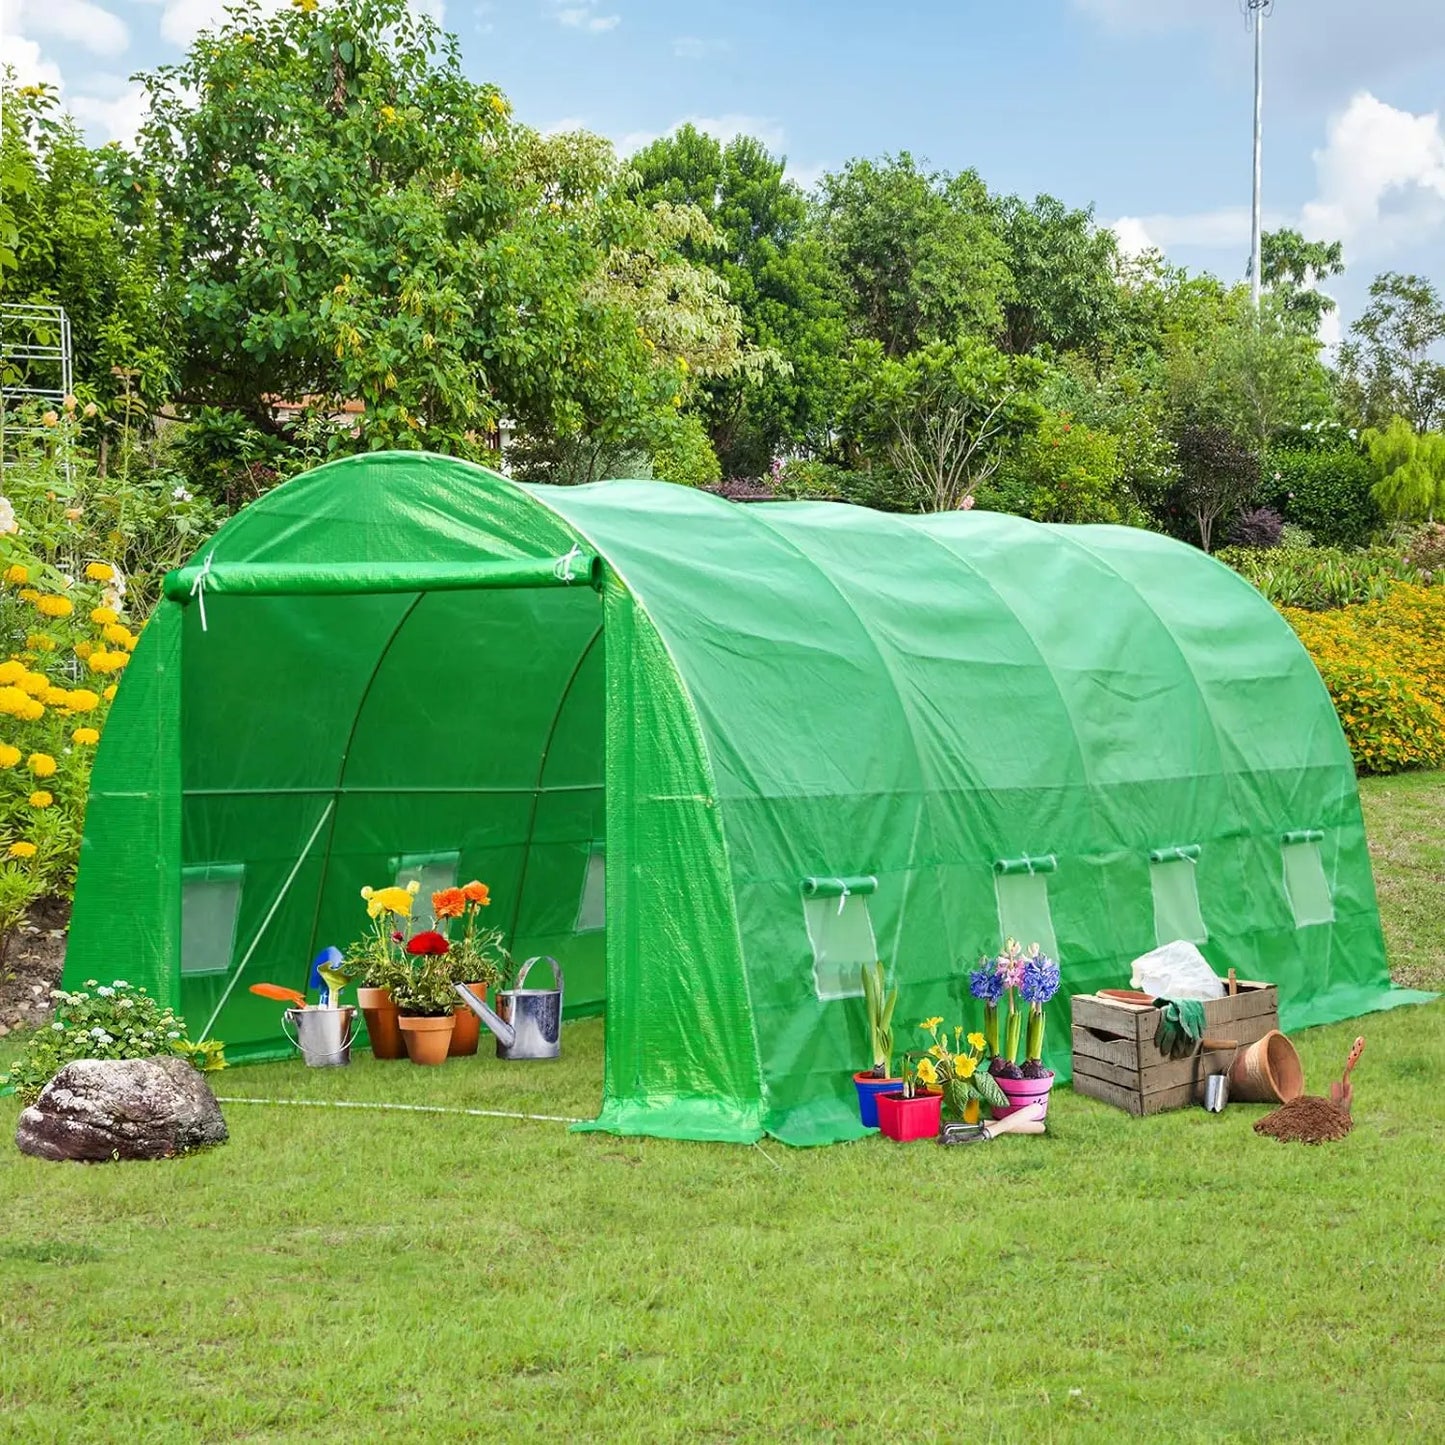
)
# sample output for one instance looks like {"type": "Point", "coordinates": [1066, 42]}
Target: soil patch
{"type": "Point", "coordinates": [30, 965]}
{"type": "Point", "coordinates": [1306, 1120]}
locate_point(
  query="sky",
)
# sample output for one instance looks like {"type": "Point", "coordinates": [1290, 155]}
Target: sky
{"type": "Point", "coordinates": [1140, 108]}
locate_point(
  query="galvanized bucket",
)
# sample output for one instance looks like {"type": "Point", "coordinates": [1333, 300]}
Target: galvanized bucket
{"type": "Point", "coordinates": [533, 1017]}
{"type": "Point", "coordinates": [322, 1034]}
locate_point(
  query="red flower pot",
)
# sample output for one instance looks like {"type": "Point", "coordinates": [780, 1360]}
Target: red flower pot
{"type": "Point", "coordinates": [917, 1118]}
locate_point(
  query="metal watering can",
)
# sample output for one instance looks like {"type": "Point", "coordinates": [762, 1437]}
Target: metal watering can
{"type": "Point", "coordinates": [322, 1034]}
{"type": "Point", "coordinates": [528, 1021]}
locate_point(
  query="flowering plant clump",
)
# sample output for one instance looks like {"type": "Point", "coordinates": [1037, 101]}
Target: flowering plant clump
{"type": "Point", "coordinates": [955, 1065]}
{"type": "Point", "coordinates": [476, 952]}
{"type": "Point", "coordinates": [106, 1021]}
{"type": "Point", "coordinates": [1018, 973]}
{"type": "Point", "coordinates": [378, 959]}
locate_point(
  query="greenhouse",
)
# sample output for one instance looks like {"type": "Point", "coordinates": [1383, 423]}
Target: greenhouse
{"type": "Point", "coordinates": [715, 757]}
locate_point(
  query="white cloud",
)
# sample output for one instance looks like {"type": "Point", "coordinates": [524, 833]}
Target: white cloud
{"type": "Point", "coordinates": [72, 22]}
{"type": "Point", "coordinates": [1224, 228]}
{"type": "Point", "coordinates": [183, 20]}
{"type": "Point", "coordinates": [585, 17]}
{"type": "Point", "coordinates": [1133, 237]}
{"type": "Point", "coordinates": [1380, 178]}
{"type": "Point", "coordinates": [116, 118]}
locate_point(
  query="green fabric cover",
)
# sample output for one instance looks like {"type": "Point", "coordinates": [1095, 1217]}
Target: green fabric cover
{"type": "Point", "coordinates": [973, 713]}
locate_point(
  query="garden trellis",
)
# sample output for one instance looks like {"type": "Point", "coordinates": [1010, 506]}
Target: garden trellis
{"type": "Point", "coordinates": [715, 757]}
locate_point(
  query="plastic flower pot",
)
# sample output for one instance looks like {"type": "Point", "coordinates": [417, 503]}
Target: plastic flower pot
{"type": "Point", "coordinates": [381, 1028]}
{"type": "Point", "coordinates": [917, 1118]}
{"type": "Point", "coordinates": [869, 1087]}
{"type": "Point", "coordinates": [427, 1039]}
{"type": "Point", "coordinates": [467, 1031]}
{"type": "Point", "coordinates": [1023, 1092]}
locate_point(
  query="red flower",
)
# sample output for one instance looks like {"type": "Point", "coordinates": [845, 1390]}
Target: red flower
{"type": "Point", "coordinates": [428, 942]}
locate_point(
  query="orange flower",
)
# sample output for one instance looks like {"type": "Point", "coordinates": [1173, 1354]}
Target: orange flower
{"type": "Point", "coordinates": [477, 893]}
{"type": "Point", "coordinates": [449, 903]}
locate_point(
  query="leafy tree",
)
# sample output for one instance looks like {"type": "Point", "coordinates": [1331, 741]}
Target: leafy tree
{"type": "Point", "coordinates": [358, 220]}
{"type": "Point", "coordinates": [777, 276]}
{"type": "Point", "coordinates": [944, 416]}
{"type": "Point", "coordinates": [1064, 294]}
{"type": "Point", "coordinates": [1292, 268]}
{"type": "Point", "coordinates": [1409, 471]}
{"type": "Point", "coordinates": [79, 228]}
{"type": "Point", "coordinates": [1388, 364]}
{"type": "Point", "coordinates": [918, 252]}
{"type": "Point", "coordinates": [1217, 478]}
{"type": "Point", "coordinates": [1064, 472]}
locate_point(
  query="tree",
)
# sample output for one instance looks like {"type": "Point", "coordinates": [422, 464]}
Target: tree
{"type": "Point", "coordinates": [1388, 365]}
{"type": "Point", "coordinates": [358, 220]}
{"type": "Point", "coordinates": [944, 416]}
{"type": "Point", "coordinates": [1064, 294]}
{"type": "Point", "coordinates": [1292, 268]}
{"type": "Point", "coordinates": [1217, 478]}
{"type": "Point", "coordinates": [918, 252]}
{"type": "Point", "coordinates": [776, 275]}
{"type": "Point", "coordinates": [1409, 471]}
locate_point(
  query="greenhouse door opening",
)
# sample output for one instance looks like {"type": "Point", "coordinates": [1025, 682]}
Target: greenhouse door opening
{"type": "Point", "coordinates": [381, 737]}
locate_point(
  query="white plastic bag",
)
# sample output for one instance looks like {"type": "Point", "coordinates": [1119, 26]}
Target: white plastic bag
{"type": "Point", "coordinates": [1176, 970]}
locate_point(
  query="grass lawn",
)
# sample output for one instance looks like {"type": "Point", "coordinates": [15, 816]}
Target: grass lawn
{"type": "Point", "coordinates": [341, 1275]}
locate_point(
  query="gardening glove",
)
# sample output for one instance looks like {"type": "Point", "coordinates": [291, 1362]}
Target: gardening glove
{"type": "Point", "coordinates": [1181, 1026]}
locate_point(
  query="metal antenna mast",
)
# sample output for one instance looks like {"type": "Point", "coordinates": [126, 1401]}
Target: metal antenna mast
{"type": "Point", "coordinates": [1255, 12]}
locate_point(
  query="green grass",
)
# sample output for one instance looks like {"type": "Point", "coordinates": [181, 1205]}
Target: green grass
{"type": "Point", "coordinates": [345, 1275]}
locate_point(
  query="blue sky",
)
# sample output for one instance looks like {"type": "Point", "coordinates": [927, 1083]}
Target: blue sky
{"type": "Point", "coordinates": [1140, 107]}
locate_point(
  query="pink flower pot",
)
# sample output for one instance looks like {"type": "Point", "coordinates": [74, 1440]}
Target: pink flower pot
{"type": "Point", "coordinates": [1023, 1092]}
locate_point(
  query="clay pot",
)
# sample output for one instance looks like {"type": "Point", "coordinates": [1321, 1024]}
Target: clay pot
{"type": "Point", "coordinates": [380, 1014]}
{"type": "Point", "coordinates": [427, 1039]}
{"type": "Point", "coordinates": [468, 1029]}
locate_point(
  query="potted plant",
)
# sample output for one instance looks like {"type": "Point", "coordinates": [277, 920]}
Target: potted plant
{"type": "Point", "coordinates": [426, 998]}
{"type": "Point", "coordinates": [915, 1111]}
{"type": "Point", "coordinates": [957, 1067]}
{"type": "Point", "coordinates": [879, 1079]}
{"type": "Point", "coordinates": [377, 964]}
{"type": "Point", "coordinates": [477, 956]}
{"type": "Point", "coordinates": [1032, 976]}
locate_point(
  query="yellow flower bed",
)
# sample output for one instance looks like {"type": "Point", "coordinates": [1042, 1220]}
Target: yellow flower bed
{"type": "Point", "coordinates": [1384, 664]}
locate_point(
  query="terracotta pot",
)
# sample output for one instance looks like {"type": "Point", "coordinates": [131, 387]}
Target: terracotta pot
{"type": "Point", "coordinates": [468, 1030]}
{"type": "Point", "coordinates": [426, 1038]}
{"type": "Point", "coordinates": [380, 1014]}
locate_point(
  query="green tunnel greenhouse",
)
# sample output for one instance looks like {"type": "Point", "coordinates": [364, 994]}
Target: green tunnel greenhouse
{"type": "Point", "coordinates": [714, 757]}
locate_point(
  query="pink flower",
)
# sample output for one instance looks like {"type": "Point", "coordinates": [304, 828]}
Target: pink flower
{"type": "Point", "coordinates": [966, 505]}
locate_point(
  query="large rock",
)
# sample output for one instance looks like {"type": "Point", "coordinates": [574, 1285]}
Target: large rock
{"type": "Point", "coordinates": [96, 1109]}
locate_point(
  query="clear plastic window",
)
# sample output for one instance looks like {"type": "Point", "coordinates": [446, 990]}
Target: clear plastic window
{"type": "Point", "coordinates": [1306, 884]}
{"type": "Point", "coordinates": [210, 904]}
{"type": "Point", "coordinates": [432, 872]}
{"type": "Point", "coordinates": [841, 932]}
{"type": "Point", "coordinates": [592, 910]}
{"type": "Point", "coordinates": [1023, 910]}
{"type": "Point", "coordinates": [1176, 902]}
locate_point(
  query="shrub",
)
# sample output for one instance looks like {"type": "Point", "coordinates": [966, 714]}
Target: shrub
{"type": "Point", "coordinates": [1296, 538]}
{"type": "Point", "coordinates": [810, 480]}
{"type": "Point", "coordinates": [1263, 528]}
{"type": "Point", "coordinates": [1064, 472]}
{"type": "Point", "coordinates": [1319, 578]}
{"type": "Point", "coordinates": [105, 1021]}
{"type": "Point", "coordinates": [1426, 550]}
{"type": "Point", "coordinates": [1326, 490]}
{"type": "Point", "coordinates": [686, 455]}
{"type": "Point", "coordinates": [1384, 664]}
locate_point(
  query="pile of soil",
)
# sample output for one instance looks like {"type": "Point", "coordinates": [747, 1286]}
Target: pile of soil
{"type": "Point", "coordinates": [1306, 1120]}
{"type": "Point", "coordinates": [30, 964]}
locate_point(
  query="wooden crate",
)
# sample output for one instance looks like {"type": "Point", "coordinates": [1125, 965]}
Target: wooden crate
{"type": "Point", "coordinates": [1115, 1058]}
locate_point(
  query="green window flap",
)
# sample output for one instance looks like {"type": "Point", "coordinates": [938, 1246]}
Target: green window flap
{"type": "Point", "coordinates": [1007, 867]}
{"type": "Point", "coordinates": [1306, 884]}
{"type": "Point", "coordinates": [839, 887]}
{"type": "Point", "coordinates": [210, 903]}
{"type": "Point", "coordinates": [592, 908]}
{"type": "Point", "coordinates": [842, 938]}
{"type": "Point", "coordinates": [1176, 897]}
{"type": "Point", "coordinates": [1023, 910]}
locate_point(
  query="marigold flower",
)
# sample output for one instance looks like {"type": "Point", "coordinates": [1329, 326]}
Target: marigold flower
{"type": "Point", "coordinates": [33, 710]}
{"type": "Point", "coordinates": [109, 693]}
{"type": "Point", "coordinates": [41, 799]}
{"type": "Point", "coordinates": [102, 661]}
{"type": "Point", "coordinates": [99, 571]}
{"type": "Point", "coordinates": [33, 683]}
{"type": "Point", "coordinates": [74, 514]}
{"type": "Point", "coordinates": [85, 736]}
{"type": "Point", "coordinates": [17, 575]}
{"type": "Point", "coordinates": [81, 699]}
{"type": "Point", "coordinates": [11, 671]}
{"type": "Point", "coordinates": [49, 418]}
{"type": "Point", "coordinates": [117, 635]}
{"type": "Point", "coordinates": [84, 649]}
{"type": "Point", "coordinates": [55, 697]}
{"type": "Point", "coordinates": [89, 409]}
{"type": "Point", "coordinates": [389, 900]}
{"type": "Point", "coordinates": [21, 850]}
{"type": "Point", "coordinates": [39, 642]}
{"type": "Point", "coordinates": [9, 755]}
{"type": "Point", "coordinates": [12, 701]}
{"type": "Point", "coordinates": [103, 616]}
{"type": "Point", "coordinates": [52, 606]}
{"type": "Point", "coordinates": [41, 764]}
{"type": "Point", "coordinates": [477, 893]}
{"type": "Point", "coordinates": [430, 943]}
{"type": "Point", "coordinates": [449, 903]}
{"type": "Point", "coordinates": [29, 594]}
